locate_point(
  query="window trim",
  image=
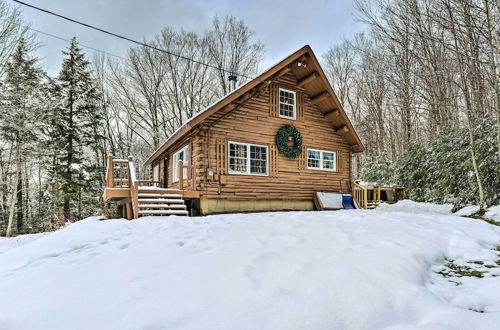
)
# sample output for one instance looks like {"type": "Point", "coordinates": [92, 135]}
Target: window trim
{"type": "Point", "coordinates": [175, 169]}
{"type": "Point", "coordinates": [156, 172]}
{"type": "Point", "coordinates": [248, 145]}
{"type": "Point", "coordinates": [294, 117]}
{"type": "Point", "coordinates": [334, 169]}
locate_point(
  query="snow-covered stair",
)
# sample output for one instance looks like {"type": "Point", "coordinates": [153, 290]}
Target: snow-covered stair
{"type": "Point", "coordinates": [160, 201]}
{"type": "Point", "coordinates": [374, 204]}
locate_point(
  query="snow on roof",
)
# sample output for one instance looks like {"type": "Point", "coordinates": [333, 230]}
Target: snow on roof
{"type": "Point", "coordinates": [213, 104]}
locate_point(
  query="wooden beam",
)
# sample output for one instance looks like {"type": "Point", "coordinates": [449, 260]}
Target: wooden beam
{"type": "Point", "coordinates": [308, 79]}
{"type": "Point", "coordinates": [332, 114]}
{"type": "Point", "coordinates": [320, 98]}
{"type": "Point", "coordinates": [282, 72]}
{"type": "Point", "coordinates": [341, 130]}
{"type": "Point", "coordinates": [356, 148]}
{"type": "Point", "coordinates": [303, 58]}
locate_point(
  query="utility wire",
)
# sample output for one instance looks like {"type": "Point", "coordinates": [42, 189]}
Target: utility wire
{"type": "Point", "coordinates": [80, 44]}
{"type": "Point", "coordinates": [130, 40]}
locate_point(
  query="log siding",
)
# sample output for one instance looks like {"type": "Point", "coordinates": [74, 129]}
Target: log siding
{"type": "Point", "coordinates": [254, 118]}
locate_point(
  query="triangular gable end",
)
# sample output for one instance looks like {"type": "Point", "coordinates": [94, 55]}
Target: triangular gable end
{"type": "Point", "coordinates": [310, 76]}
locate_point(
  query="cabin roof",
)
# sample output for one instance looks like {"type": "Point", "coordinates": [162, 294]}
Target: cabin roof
{"type": "Point", "coordinates": [314, 82]}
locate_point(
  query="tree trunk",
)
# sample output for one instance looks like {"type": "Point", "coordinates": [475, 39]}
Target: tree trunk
{"type": "Point", "coordinates": [13, 198]}
{"type": "Point", "coordinates": [468, 109]}
{"type": "Point", "coordinates": [476, 171]}
{"type": "Point", "coordinates": [495, 65]}
{"type": "Point", "coordinates": [20, 199]}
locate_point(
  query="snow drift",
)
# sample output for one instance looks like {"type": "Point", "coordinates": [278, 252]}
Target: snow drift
{"type": "Point", "coordinates": [298, 270]}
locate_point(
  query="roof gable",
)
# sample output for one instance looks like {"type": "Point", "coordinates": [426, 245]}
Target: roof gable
{"type": "Point", "coordinates": [310, 76]}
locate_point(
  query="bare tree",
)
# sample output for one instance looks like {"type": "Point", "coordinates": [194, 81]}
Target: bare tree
{"type": "Point", "coordinates": [232, 50]}
{"type": "Point", "coordinates": [11, 30]}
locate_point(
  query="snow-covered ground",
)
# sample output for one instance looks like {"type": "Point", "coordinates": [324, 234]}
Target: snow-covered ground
{"type": "Point", "coordinates": [13, 242]}
{"type": "Point", "coordinates": [493, 213]}
{"type": "Point", "coordinates": [416, 207]}
{"type": "Point", "coordinates": [390, 268]}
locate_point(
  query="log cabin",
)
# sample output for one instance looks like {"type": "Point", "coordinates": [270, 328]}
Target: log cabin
{"type": "Point", "coordinates": [268, 145]}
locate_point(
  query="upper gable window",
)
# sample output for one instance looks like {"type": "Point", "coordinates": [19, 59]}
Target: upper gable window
{"type": "Point", "coordinates": [287, 103]}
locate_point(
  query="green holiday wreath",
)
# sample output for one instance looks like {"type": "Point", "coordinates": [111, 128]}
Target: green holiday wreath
{"type": "Point", "coordinates": [282, 141]}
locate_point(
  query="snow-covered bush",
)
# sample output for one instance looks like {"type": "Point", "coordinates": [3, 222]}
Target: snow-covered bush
{"type": "Point", "coordinates": [440, 169]}
{"type": "Point", "coordinates": [378, 169]}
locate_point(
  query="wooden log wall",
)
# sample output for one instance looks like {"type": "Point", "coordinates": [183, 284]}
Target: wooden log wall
{"type": "Point", "coordinates": [257, 121]}
{"type": "Point", "coordinates": [194, 140]}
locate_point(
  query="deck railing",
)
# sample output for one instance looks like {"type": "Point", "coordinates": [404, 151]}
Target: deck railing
{"type": "Point", "coordinates": [123, 186]}
{"type": "Point", "coordinates": [370, 195]}
{"type": "Point", "coordinates": [120, 173]}
{"type": "Point", "coordinates": [190, 174]}
{"type": "Point", "coordinates": [360, 194]}
{"type": "Point", "coordinates": [134, 189]}
{"type": "Point", "coordinates": [117, 173]}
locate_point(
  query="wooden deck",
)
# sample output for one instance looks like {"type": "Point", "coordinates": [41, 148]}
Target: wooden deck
{"type": "Point", "coordinates": [369, 196]}
{"type": "Point", "coordinates": [138, 198]}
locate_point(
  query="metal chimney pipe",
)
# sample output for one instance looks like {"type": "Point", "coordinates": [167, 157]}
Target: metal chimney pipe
{"type": "Point", "coordinates": [232, 82]}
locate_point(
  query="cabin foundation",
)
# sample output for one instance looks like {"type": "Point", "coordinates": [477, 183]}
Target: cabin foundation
{"type": "Point", "coordinates": [211, 206]}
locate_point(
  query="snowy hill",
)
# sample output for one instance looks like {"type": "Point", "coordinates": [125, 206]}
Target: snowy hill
{"type": "Point", "coordinates": [298, 270]}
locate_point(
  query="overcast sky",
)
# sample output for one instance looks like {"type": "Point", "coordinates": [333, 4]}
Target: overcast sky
{"type": "Point", "coordinates": [282, 25]}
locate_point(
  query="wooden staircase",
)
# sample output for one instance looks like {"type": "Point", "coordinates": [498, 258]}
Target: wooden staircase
{"type": "Point", "coordinates": [373, 204]}
{"type": "Point", "coordinates": [160, 201]}
{"type": "Point", "coordinates": [140, 198]}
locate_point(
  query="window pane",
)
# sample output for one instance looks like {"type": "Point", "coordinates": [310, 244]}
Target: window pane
{"type": "Point", "coordinates": [313, 158]}
{"type": "Point", "coordinates": [328, 160]}
{"type": "Point", "coordinates": [238, 164]}
{"type": "Point", "coordinates": [258, 160]}
{"type": "Point", "coordinates": [327, 155]}
{"type": "Point", "coordinates": [237, 150]}
{"type": "Point", "coordinates": [287, 103]}
{"type": "Point", "coordinates": [328, 164]}
{"type": "Point", "coordinates": [237, 157]}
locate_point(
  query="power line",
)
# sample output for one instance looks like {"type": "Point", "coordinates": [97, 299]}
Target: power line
{"type": "Point", "coordinates": [85, 46]}
{"type": "Point", "coordinates": [129, 39]}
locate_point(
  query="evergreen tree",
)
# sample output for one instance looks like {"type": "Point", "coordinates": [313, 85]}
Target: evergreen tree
{"type": "Point", "coordinates": [76, 123]}
{"type": "Point", "coordinates": [441, 170]}
{"type": "Point", "coordinates": [20, 120]}
{"type": "Point", "coordinates": [378, 169]}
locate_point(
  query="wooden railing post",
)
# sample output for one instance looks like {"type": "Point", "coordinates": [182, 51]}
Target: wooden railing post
{"type": "Point", "coordinates": [193, 184]}
{"type": "Point", "coordinates": [365, 197]}
{"type": "Point", "coordinates": [180, 168]}
{"type": "Point", "coordinates": [110, 175]}
{"type": "Point", "coordinates": [134, 190]}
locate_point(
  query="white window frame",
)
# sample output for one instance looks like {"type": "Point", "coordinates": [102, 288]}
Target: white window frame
{"type": "Point", "coordinates": [175, 163]}
{"type": "Point", "coordinates": [156, 172]}
{"type": "Point", "coordinates": [294, 117]}
{"type": "Point", "coordinates": [248, 145]}
{"type": "Point", "coordinates": [320, 168]}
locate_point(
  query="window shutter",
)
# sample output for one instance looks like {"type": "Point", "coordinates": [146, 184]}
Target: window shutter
{"type": "Point", "coordinates": [300, 105]}
{"type": "Point", "coordinates": [221, 156]}
{"type": "Point", "coordinates": [340, 161]}
{"type": "Point", "coordinates": [303, 158]}
{"type": "Point", "coordinates": [273, 161]}
{"type": "Point", "coordinates": [273, 100]}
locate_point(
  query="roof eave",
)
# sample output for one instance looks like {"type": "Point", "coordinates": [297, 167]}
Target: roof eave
{"type": "Point", "coordinates": [230, 98]}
